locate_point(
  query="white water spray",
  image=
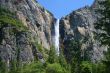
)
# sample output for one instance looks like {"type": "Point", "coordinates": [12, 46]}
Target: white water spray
{"type": "Point", "coordinates": [57, 36]}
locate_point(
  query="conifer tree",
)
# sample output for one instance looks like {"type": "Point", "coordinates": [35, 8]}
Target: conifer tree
{"type": "Point", "coordinates": [52, 56]}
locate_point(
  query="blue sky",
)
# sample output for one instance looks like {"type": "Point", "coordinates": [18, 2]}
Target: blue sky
{"type": "Point", "coordinates": [63, 7]}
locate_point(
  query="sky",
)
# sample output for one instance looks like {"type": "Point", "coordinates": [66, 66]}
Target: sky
{"type": "Point", "coordinates": [60, 8]}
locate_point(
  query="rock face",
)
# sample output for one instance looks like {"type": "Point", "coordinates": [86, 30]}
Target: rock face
{"type": "Point", "coordinates": [22, 45]}
{"type": "Point", "coordinates": [35, 17]}
{"type": "Point", "coordinates": [79, 25]}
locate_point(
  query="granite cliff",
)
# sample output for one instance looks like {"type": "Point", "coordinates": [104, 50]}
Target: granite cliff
{"type": "Point", "coordinates": [26, 29]}
{"type": "Point", "coordinates": [79, 25]}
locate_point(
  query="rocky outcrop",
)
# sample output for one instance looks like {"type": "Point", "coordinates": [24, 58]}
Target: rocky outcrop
{"type": "Point", "coordinates": [35, 17]}
{"type": "Point", "coordinates": [79, 25]}
{"type": "Point", "coordinates": [15, 45]}
{"type": "Point", "coordinates": [21, 45]}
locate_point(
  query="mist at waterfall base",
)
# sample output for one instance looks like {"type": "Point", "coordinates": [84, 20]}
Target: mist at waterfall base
{"type": "Point", "coordinates": [56, 37]}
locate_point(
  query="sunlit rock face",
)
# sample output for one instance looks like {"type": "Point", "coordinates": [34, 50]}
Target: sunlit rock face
{"type": "Point", "coordinates": [38, 20]}
{"type": "Point", "coordinates": [79, 25]}
{"type": "Point", "coordinates": [34, 16]}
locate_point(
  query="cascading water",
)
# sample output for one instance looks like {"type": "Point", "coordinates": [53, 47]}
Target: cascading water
{"type": "Point", "coordinates": [57, 36]}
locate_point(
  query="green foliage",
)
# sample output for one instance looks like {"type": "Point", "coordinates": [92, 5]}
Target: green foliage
{"type": "Point", "coordinates": [62, 60]}
{"type": "Point", "coordinates": [33, 68]}
{"type": "Point", "coordinates": [52, 56]}
{"type": "Point", "coordinates": [54, 68]}
{"type": "Point", "coordinates": [63, 63]}
{"type": "Point", "coordinates": [3, 67]}
{"type": "Point", "coordinates": [73, 50]}
{"type": "Point", "coordinates": [106, 61]}
{"type": "Point", "coordinates": [5, 20]}
{"type": "Point", "coordinates": [39, 46]}
{"type": "Point", "coordinates": [13, 67]}
{"type": "Point", "coordinates": [54, 64]}
{"type": "Point", "coordinates": [9, 18]}
{"type": "Point", "coordinates": [86, 67]}
{"type": "Point", "coordinates": [99, 68]}
{"type": "Point", "coordinates": [41, 49]}
{"type": "Point", "coordinates": [89, 67]}
{"type": "Point", "coordinates": [74, 66]}
{"type": "Point", "coordinates": [57, 64]}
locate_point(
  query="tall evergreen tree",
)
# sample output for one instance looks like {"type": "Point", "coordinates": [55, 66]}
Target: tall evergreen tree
{"type": "Point", "coordinates": [74, 55]}
{"type": "Point", "coordinates": [52, 56]}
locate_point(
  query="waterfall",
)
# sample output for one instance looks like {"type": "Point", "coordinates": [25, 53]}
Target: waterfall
{"type": "Point", "coordinates": [57, 37]}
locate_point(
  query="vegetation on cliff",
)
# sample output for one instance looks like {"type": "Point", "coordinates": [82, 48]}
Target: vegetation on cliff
{"type": "Point", "coordinates": [70, 60]}
{"type": "Point", "coordinates": [103, 24]}
{"type": "Point", "coordinates": [9, 18]}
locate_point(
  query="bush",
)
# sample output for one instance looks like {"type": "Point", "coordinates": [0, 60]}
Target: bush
{"type": "Point", "coordinates": [86, 67]}
{"type": "Point", "coordinates": [99, 68]}
{"type": "Point", "coordinates": [54, 68]}
{"type": "Point", "coordinates": [34, 68]}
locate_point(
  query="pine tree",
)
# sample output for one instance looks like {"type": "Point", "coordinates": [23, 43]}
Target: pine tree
{"type": "Point", "coordinates": [52, 56]}
{"type": "Point", "coordinates": [74, 55]}
{"type": "Point", "coordinates": [63, 62]}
